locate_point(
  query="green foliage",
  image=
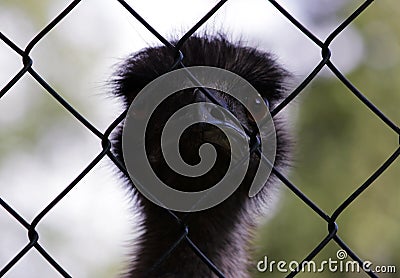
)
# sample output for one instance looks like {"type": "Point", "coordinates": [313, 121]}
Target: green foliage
{"type": "Point", "coordinates": [340, 143]}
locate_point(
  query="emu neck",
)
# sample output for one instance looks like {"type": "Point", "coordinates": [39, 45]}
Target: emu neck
{"type": "Point", "coordinates": [221, 233]}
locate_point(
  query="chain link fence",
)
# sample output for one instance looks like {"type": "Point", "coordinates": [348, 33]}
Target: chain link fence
{"type": "Point", "coordinates": [104, 137]}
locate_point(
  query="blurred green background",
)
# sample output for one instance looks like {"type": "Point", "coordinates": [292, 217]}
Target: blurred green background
{"type": "Point", "coordinates": [339, 142]}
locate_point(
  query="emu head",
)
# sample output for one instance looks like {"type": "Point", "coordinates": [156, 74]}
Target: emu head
{"type": "Point", "coordinates": [225, 228]}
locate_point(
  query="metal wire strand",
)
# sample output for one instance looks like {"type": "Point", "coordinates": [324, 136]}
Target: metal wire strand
{"type": "Point", "coordinates": [106, 142]}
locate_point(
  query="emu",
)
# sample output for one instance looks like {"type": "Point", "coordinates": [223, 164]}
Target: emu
{"type": "Point", "coordinates": [222, 233]}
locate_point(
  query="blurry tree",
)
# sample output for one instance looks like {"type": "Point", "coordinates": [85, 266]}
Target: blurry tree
{"type": "Point", "coordinates": [340, 143]}
{"type": "Point", "coordinates": [43, 148]}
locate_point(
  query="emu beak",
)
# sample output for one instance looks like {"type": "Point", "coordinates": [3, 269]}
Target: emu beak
{"type": "Point", "coordinates": [211, 114]}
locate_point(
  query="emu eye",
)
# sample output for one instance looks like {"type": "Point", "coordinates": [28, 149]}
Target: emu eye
{"type": "Point", "coordinates": [257, 107]}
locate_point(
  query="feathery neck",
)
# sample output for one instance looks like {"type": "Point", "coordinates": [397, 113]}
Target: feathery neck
{"type": "Point", "coordinates": [222, 233]}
